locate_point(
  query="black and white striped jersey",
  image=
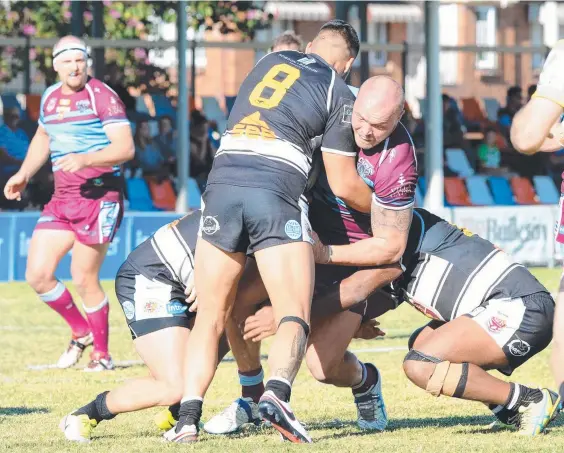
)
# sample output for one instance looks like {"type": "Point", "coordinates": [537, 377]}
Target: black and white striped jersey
{"type": "Point", "coordinates": [451, 271]}
{"type": "Point", "coordinates": [288, 106]}
{"type": "Point", "coordinates": [168, 255]}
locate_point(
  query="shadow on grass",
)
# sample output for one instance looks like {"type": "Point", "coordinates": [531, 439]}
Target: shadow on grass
{"type": "Point", "coordinates": [13, 411]}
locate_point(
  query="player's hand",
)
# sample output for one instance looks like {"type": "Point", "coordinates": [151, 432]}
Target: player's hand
{"type": "Point", "coordinates": [321, 252]}
{"type": "Point", "coordinates": [259, 326]}
{"type": "Point", "coordinates": [15, 186]}
{"type": "Point", "coordinates": [71, 162]}
{"type": "Point", "coordinates": [369, 330]}
{"type": "Point", "coordinates": [191, 294]}
{"type": "Point", "coordinates": [551, 79]}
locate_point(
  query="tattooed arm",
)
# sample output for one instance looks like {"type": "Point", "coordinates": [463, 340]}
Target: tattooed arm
{"type": "Point", "coordinates": [390, 229]}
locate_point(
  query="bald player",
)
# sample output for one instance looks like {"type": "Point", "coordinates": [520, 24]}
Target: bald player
{"type": "Point", "coordinates": [537, 127]}
{"type": "Point", "coordinates": [287, 41]}
{"type": "Point", "coordinates": [84, 130]}
{"type": "Point", "coordinates": [254, 203]}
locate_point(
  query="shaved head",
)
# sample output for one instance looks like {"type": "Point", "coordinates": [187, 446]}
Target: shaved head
{"type": "Point", "coordinates": [70, 60]}
{"type": "Point", "coordinates": [377, 110]}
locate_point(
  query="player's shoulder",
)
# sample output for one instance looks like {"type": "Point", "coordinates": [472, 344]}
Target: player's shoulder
{"type": "Point", "coordinates": [98, 87]}
{"type": "Point", "coordinates": [53, 89]}
{"type": "Point", "coordinates": [401, 138]}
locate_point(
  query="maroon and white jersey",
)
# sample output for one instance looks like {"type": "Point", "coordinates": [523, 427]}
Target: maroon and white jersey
{"type": "Point", "coordinates": [390, 168]}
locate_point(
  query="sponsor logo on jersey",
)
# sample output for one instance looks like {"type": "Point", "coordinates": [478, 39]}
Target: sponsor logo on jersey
{"type": "Point", "coordinates": [51, 105]}
{"type": "Point", "coordinates": [128, 309]}
{"type": "Point", "coordinates": [401, 179]}
{"type": "Point", "coordinates": [61, 110]}
{"type": "Point", "coordinates": [253, 127]}
{"type": "Point", "coordinates": [83, 105]}
{"type": "Point", "coordinates": [176, 308]}
{"type": "Point", "coordinates": [65, 102]}
{"type": "Point", "coordinates": [496, 324]}
{"type": "Point", "coordinates": [209, 225]}
{"type": "Point", "coordinates": [519, 348]}
{"type": "Point", "coordinates": [293, 229]}
{"type": "Point", "coordinates": [393, 153]}
{"type": "Point", "coordinates": [364, 168]}
{"type": "Point", "coordinates": [306, 60]}
{"type": "Point", "coordinates": [347, 113]}
{"type": "Point", "coordinates": [151, 306]}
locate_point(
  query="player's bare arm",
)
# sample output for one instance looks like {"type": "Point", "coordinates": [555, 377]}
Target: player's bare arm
{"type": "Point", "coordinates": [390, 229]}
{"type": "Point", "coordinates": [120, 150]}
{"type": "Point", "coordinates": [536, 127]}
{"type": "Point", "coordinates": [36, 156]}
{"type": "Point", "coordinates": [345, 182]}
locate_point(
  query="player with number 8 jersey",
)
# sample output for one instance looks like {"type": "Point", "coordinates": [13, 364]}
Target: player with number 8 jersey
{"type": "Point", "coordinates": [290, 105]}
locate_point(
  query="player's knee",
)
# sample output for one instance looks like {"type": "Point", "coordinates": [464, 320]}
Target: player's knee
{"type": "Point", "coordinates": [321, 372]}
{"type": "Point", "coordinates": [418, 367]}
{"type": "Point", "coordinates": [84, 281]}
{"type": "Point", "coordinates": [39, 279]}
{"type": "Point", "coordinates": [173, 393]}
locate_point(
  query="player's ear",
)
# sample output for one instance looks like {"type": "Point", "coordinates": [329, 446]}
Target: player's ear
{"type": "Point", "coordinates": [348, 65]}
{"type": "Point", "coordinates": [308, 47]}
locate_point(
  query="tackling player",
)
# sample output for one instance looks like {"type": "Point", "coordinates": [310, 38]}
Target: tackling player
{"type": "Point", "coordinates": [287, 106]}
{"type": "Point", "coordinates": [537, 127]}
{"type": "Point", "coordinates": [84, 130]}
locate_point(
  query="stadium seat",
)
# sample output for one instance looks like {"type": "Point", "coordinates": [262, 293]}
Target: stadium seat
{"type": "Point", "coordinates": [163, 106]}
{"type": "Point", "coordinates": [138, 195]}
{"type": "Point", "coordinates": [194, 194]}
{"type": "Point", "coordinates": [492, 106]}
{"type": "Point", "coordinates": [9, 101]}
{"type": "Point", "coordinates": [162, 194]}
{"type": "Point", "coordinates": [523, 190]}
{"type": "Point", "coordinates": [501, 191]}
{"type": "Point", "coordinates": [457, 161]}
{"type": "Point", "coordinates": [472, 111]}
{"type": "Point", "coordinates": [213, 111]}
{"type": "Point", "coordinates": [479, 190]}
{"type": "Point", "coordinates": [140, 105]}
{"type": "Point", "coordinates": [455, 192]}
{"type": "Point", "coordinates": [33, 104]}
{"type": "Point", "coordinates": [546, 190]}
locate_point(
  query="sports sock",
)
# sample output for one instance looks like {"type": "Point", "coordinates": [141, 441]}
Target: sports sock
{"type": "Point", "coordinates": [97, 409]}
{"type": "Point", "coordinates": [98, 319]}
{"type": "Point", "coordinates": [369, 379]}
{"type": "Point", "coordinates": [190, 412]}
{"type": "Point", "coordinates": [251, 384]}
{"type": "Point", "coordinates": [521, 395]}
{"type": "Point", "coordinates": [60, 300]}
{"type": "Point", "coordinates": [280, 387]}
{"type": "Point", "coordinates": [174, 409]}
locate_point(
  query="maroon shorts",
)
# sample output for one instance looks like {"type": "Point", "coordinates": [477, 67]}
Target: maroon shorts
{"type": "Point", "coordinates": [560, 223]}
{"type": "Point", "coordinates": [92, 221]}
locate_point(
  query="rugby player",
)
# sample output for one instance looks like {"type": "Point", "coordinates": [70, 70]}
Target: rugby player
{"type": "Point", "coordinates": [290, 104]}
{"type": "Point", "coordinates": [537, 127]}
{"type": "Point", "coordinates": [388, 165]}
{"type": "Point", "coordinates": [84, 130]}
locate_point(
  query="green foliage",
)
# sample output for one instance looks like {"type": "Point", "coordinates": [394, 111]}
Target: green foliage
{"type": "Point", "coordinates": [122, 20]}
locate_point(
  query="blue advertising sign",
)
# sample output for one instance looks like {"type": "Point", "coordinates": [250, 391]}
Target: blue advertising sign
{"type": "Point", "coordinates": [6, 254]}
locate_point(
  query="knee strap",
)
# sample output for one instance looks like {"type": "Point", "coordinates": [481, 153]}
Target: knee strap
{"type": "Point", "coordinates": [418, 356]}
{"type": "Point", "coordinates": [448, 379]}
{"type": "Point", "coordinates": [300, 321]}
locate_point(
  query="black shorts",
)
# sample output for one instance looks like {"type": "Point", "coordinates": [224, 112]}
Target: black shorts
{"type": "Point", "coordinates": [522, 327]}
{"type": "Point", "coordinates": [150, 305]}
{"type": "Point", "coordinates": [248, 219]}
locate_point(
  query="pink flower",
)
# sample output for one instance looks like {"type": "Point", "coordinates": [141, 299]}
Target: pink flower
{"type": "Point", "coordinates": [140, 53]}
{"type": "Point", "coordinates": [67, 15]}
{"type": "Point", "coordinates": [107, 2]}
{"type": "Point", "coordinates": [132, 22]}
{"type": "Point", "coordinates": [88, 15]}
{"type": "Point", "coordinates": [147, 61]}
{"type": "Point", "coordinates": [32, 54]}
{"type": "Point", "coordinates": [13, 15]}
{"type": "Point", "coordinates": [115, 14]}
{"type": "Point", "coordinates": [28, 30]}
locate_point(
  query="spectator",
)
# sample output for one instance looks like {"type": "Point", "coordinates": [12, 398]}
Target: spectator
{"type": "Point", "coordinates": [287, 41]}
{"type": "Point", "coordinates": [148, 156]}
{"type": "Point", "coordinates": [114, 79]}
{"type": "Point", "coordinates": [201, 150]}
{"type": "Point", "coordinates": [489, 155]}
{"type": "Point", "coordinates": [530, 91]}
{"type": "Point", "coordinates": [166, 139]}
{"type": "Point", "coordinates": [513, 104]}
{"type": "Point", "coordinates": [453, 133]}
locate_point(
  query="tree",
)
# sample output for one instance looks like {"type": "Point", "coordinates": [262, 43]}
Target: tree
{"type": "Point", "coordinates": [122, 20]}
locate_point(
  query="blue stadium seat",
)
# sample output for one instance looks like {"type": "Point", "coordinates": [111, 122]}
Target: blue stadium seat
{"type": "Point", "coordinates": [139, 195]}
{"type": "Point", "coordinates": [479, 191]}
{"type": "Point", "coordinates": [194, 194]}
{"type": "Point", "coordinates": [501, 191]}
{"type": "Point", "coordinates": [213, 111]}
{"type": "Point", "coordinates": [163, 106]}
{"type": "Point", "coordinates": [492, 106]}
{"type": "Point", "coordinates": [140, 105]}
{"type": "Point", "coordinates": [10, 100]}
{"type": "Point", "coordinates": [546, 190]}
{"type": "Point", "coordinates": [457, 161]}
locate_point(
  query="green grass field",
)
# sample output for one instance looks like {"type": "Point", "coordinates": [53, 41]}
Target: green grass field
{"type": "Point", "coordinates": [33, 401]}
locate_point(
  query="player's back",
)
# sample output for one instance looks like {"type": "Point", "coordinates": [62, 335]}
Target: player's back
{"type": "Point", "coordinates": [168, 255]}
{"type": "Point", "coordinates": [450, 271]}
{"type": "Point", "coordinates": [278, 120]}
